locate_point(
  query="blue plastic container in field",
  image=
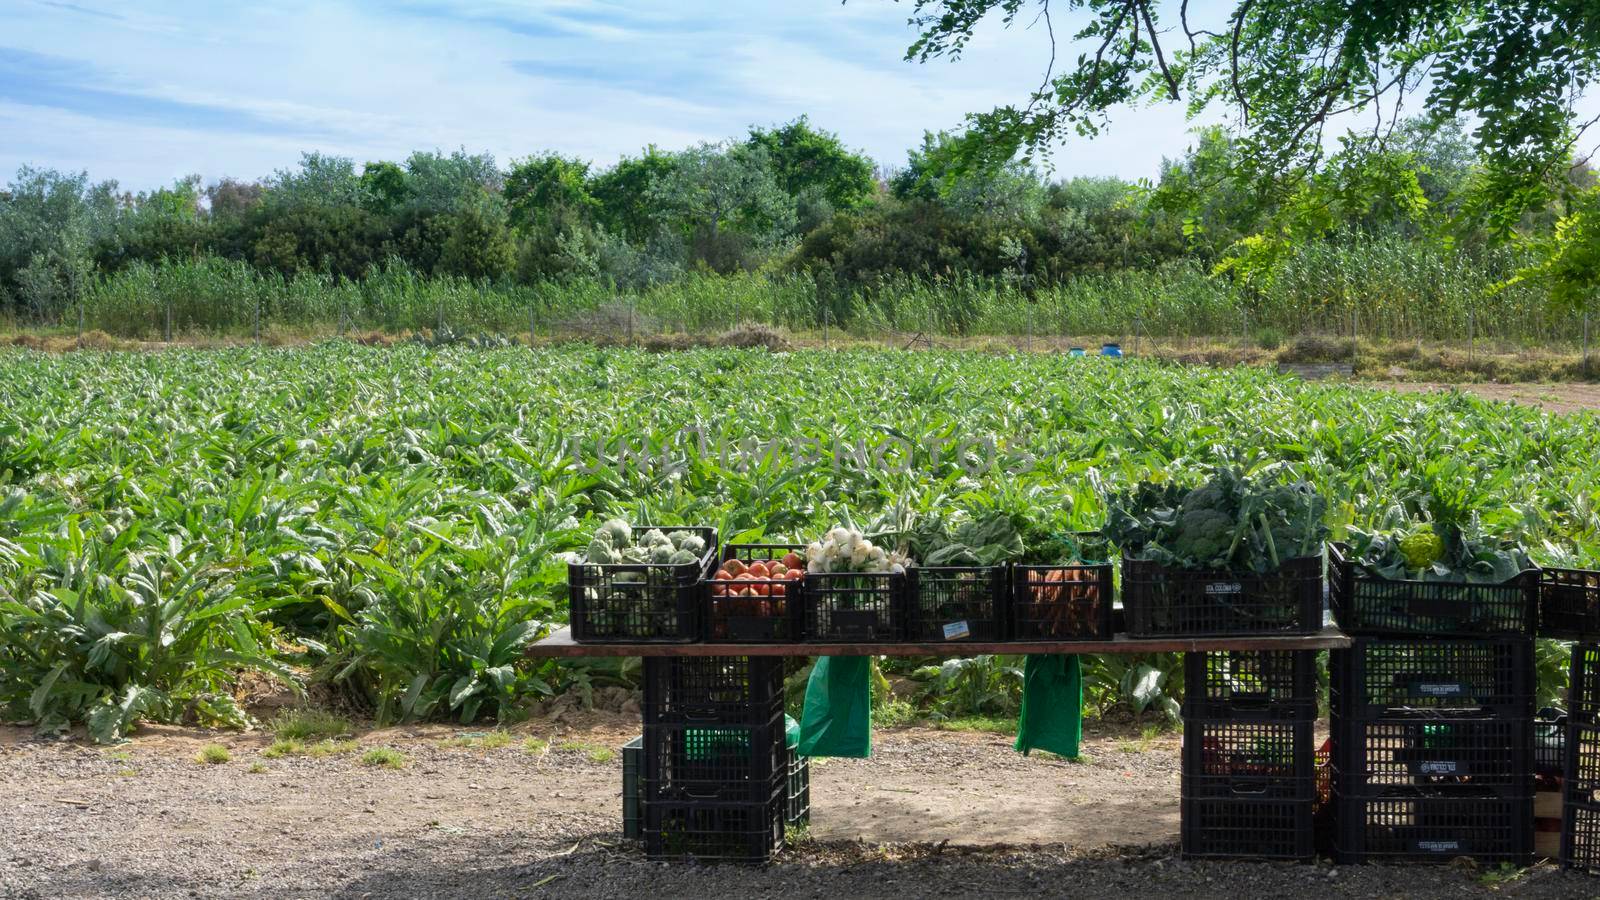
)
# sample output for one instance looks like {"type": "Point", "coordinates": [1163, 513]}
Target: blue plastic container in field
{"type": "Point", "coordinates": [1112, 350]}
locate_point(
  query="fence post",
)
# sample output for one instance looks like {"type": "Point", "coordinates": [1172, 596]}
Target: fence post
{"type": "Point", "coordinates": [532, 312]}
{"type": "Point", "coordinates": [1472, 339]}
{"type": "Point", "coordinates": [1586, 345]}
{"type": "Point", "coordinates": [80, 325]}
{"type": "Point", "coordinates": [167, 331]}
{"type": "Point", "coordinates": [256, 329]}
{"type": "Point", "coordinates": [825, 329]}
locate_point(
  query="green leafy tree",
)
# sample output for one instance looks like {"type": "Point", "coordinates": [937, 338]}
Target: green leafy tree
{"type": "Point", "coordinates": [166, 223]}
{"type": "Point", "coordinates": [934, 172]}
{"type": "Point", "coordinates": [807, 160]}
{"type": "Point", "coordinates": [624, 194]}
{"type": "Point", "coordinates": [478, 242]}
{"type": "Point", "coordinates": [549, 189]}
{"type": "Point", "coordinates": [726, 203]}
{"type": "Point", "coordinates": [385, 187]}
{"type": "Point", "coordinates": [50, 223]}
{"type": "Point", "coordinates": [436, 181]}
{"type": "Point", "coordinates": [1287, 69]}
{"type": "Point", "coordinates": [320, 181]}
{"type": "Point", "coordinates": [1569, 258]}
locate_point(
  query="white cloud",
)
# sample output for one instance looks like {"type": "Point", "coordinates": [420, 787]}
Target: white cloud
{"type": "Point", "coordinates": [593, 78]}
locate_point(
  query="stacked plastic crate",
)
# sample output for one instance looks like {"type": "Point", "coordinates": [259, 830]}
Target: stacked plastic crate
{"type": "Point", "coordinates": [1249, 778]}
{"type": "Point", "coordinates": [1569, 609]}
{"type": "Point", "coordinates": [1432, 720]}
{"type": "Point", "coordinates": [716, 762]}
{"type": "Point", "coordinates": [1580, 820]}
{"type": "Point", "coordinates": [797, 796]}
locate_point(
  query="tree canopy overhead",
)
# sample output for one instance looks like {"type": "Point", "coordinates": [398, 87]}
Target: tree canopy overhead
{"type": "Point", "coordinates": [1287, 70]}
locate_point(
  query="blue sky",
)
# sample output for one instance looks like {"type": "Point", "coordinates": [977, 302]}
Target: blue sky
{"type": "Point", "coordinates": [146, 92]}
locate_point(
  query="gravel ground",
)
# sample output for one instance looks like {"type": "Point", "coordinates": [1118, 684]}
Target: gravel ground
{"type": "Point", "coordinates": [930, 814]}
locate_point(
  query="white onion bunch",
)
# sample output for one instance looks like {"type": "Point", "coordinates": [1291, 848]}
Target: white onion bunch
{"type": "Point", "coordinates": [847, 550]}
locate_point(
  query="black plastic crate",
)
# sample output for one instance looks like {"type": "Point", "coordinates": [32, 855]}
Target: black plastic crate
{"type": "Point", "coordinates": [1580, 836]}
{"type": "Point", "coordinates": [1581, 766]}
{"type": "Point", "coordinates": [726, 690]}
{"type": "Point", "coordinates": [757, 610]}
{"type": "Point", "coordinates": [797, 797]}
{"type": "Point", "coordinates": [1061, 603]}
{"type": "Point", "coordinates": [1569, 604]}
{"type": "Point", "coordinates": [1368, 604]}
{"type": "Point", "coordinates": [1264, 760]}
{"type": "Point", "coordinates": [797, 794]}
{"type": "Point", "coordinates": [1247, 828]}
{"type": "Point", "coordinates": [1430, 750]}
{"type": "Point", "coordinates": [853, 607]}
{"type": "Point", "coordinates": [1550, 743]}
{"type": "Point", "coordinates": [715, 832]}
{"type": "Point", "coordinates": [1251, 684]}
{"type": "Point", "coordinates": [1163, 601]}
{"type": "Point", "coordinates": [632, 788]}
{"type": "Point", "coordinates": [1583, 687]}
{"type": "Point", "coordinates": [715, 763]}
{"type": "Point", "coordinates": [955, 603]}
{"type": "Point", "coordinates": [1378, 677]}
{"type": "Point", "coordinates": [1434, 824]}
{"type": "Point", "coordinates": [640, 603]}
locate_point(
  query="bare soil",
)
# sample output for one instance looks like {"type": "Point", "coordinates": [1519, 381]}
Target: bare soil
{"type": "Point", "coordinates": [931, 813]}
{"type": "Point", "coordinates": [1556, 398]}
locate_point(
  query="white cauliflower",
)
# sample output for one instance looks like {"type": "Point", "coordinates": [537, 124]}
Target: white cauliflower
{"type": "Point", "coordinates": [848, 550]}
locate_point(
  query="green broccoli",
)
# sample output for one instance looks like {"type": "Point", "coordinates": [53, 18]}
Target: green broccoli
{"type": "Point", "coordinates": [1203, 535]}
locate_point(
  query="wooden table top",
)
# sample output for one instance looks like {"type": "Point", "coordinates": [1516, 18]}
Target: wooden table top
{"type": "Point", "coordinates": [559, 643]}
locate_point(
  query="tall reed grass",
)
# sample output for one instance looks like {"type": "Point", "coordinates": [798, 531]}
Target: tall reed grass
{"type": "Point", "coordinates": [1386, 288]}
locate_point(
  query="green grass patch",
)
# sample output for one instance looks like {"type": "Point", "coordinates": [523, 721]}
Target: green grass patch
{"type": "Point", "coordinates": [310, 724]}
{"type": "Point", "coordinates": [535, 746]}
{"type": "Point", "coordinates": [988, 724]}
{"type": "Point", "coordinates": [319, 750]}
{"type": "Point", "coordinates": [384, 758]}
{"type": "Point", "coordinates": [257, 768]}
{"type": "Point", "coordinates": [895, 713]}
{"type": "Point", "coordinates": [594, 752]}
{"type": "Point", "coordinates": [481, 740]}
{"type": "Point", "coordinates": [213, 755]}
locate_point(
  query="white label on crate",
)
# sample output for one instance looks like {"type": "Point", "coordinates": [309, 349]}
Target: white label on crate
{"type": "Point", "coordinates": [1439, 846]}
{"type": "Point", "coordinates": [1440, 767]}
{"type": "Point", "coordinates": [1220, 588]}
{"type": "Point", "coordinates": [1438, 689]}
{"type": "Point", "coordinates": [956, 630]}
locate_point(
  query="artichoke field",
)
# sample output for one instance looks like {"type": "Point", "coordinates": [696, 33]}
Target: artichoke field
{"type": "Point", "coordinates": [393, 522]}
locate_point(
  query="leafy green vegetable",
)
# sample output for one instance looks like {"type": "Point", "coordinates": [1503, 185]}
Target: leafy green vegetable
{"type": "Point", "coordinates": [1228, 523]}
{"type": "Point", "coordinates": [1442, 532]}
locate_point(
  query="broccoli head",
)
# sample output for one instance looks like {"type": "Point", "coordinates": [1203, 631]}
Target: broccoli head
{"type": "Point", "coordinates": [1203, 536]}
{"type": "Point", "coordinates": [1210, 495]}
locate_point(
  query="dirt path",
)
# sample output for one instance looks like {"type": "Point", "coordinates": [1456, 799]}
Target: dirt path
{"type": "Point", "coordinates": [147, 820]}
{"type": "Point", "coordinates": [1556, 398]}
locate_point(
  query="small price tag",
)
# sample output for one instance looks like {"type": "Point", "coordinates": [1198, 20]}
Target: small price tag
{"type": "Point", "coordinates": [956, 630]}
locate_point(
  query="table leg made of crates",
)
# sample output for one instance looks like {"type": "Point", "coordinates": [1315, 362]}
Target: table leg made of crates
{"type": "Point", "coordinates": [714, 776]}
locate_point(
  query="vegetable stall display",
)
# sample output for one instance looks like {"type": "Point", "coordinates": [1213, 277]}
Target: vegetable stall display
{"type": "Point", "coordinates": [853, 589]}
{"type": "Point", "coordinates": [752, 596]}
{"type": "Point", "coordinates": [641, 584]}
{"type": "Point", "coordinates": [1231, 556]}
{"type": "Point", "coordinates": [1435, 566]}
